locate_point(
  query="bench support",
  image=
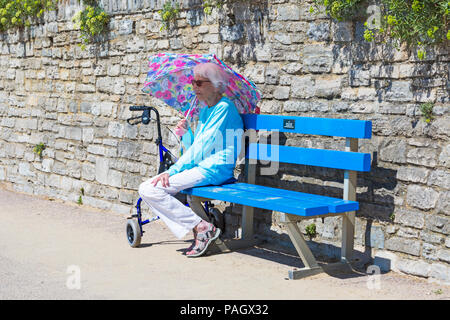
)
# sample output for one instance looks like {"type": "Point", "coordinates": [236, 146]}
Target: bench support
{"type": "Point", "coordinates": [348, 219]}
{"type": "Point", "coordinates": [250, 177]}
{"type": "Point", "coordinates": [195, 203]}
{"type": "Point", "coordinates": [247, 212]}
{"type": "Point", "coordinates": [311, 265]}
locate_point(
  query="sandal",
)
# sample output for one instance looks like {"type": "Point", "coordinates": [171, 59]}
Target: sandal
{"type": "Point", "coordinates": [203, 241]}
{"type": "Point", "coordinates": [192, 244]}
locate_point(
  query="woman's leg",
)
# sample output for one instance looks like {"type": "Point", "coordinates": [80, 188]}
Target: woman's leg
{"type": "Point", "coordinates": [179, 218]}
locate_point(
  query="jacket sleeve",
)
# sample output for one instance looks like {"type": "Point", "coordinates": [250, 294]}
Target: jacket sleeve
{"type": "Point", "coordinates": [204, 141]}
{"type": "Point", "coordinates": [187, 139]}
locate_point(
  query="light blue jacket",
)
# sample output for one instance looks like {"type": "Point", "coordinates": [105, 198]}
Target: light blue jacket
{"type": "Point", "coordinates": [216, 145]}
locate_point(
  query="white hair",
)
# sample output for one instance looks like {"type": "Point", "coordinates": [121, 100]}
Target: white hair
{"type": "Point", "coordinates": [215, 74]}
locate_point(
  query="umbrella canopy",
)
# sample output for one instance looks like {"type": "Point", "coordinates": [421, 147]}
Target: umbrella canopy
{"type": "Point", "coordinates": [170, 76]}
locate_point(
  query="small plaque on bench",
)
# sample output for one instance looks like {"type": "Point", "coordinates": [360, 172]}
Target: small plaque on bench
{"type": "Point", "coordinates": [288, 124]}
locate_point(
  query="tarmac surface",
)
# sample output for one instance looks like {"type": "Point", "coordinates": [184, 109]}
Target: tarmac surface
{"type": "Point", "coordinates": [50, 249]}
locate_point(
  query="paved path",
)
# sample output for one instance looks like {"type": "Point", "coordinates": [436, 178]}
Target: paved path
{"type": "Point", "coordinates": [45, 245]}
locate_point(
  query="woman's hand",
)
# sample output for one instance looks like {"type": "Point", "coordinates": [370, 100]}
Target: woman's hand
{"type": "Point", "coordinates": [164, 178]}
{"type": "Point", "coordinates": [181, 127]}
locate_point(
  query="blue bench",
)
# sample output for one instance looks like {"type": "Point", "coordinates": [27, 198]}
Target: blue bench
{"type": "Point", "coordinates": [295, 206]}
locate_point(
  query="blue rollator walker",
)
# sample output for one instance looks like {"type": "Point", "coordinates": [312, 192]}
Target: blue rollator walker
{"type": "Point", "coordinates": [134, 225]}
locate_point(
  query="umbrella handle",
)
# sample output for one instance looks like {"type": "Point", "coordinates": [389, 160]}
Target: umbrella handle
{"type": "Point", "coordinates": [194, 103]}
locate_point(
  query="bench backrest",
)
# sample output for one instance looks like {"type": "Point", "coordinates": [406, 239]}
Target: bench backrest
{"type": "Point", "coordinates": [346, 160]}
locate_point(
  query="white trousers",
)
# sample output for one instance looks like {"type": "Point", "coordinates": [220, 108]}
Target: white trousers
{"type": "Point", "coordinates": [179, 218]}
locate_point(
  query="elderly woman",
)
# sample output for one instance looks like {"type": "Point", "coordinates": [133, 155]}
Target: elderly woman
{"type": "Point", "coordinates": [208, 159]}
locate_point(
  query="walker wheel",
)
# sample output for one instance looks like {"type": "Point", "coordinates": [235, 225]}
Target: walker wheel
{"type": "Point", "coordinates": [133, 233]}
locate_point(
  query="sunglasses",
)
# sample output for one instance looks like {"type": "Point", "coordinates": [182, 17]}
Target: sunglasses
{"type": "Point", "coordinates": [199, 83]}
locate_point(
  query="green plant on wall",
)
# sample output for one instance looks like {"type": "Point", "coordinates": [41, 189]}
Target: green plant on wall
{"type": "Point", "coordinates": [170, 11]}
{"type": "Point", "coordinates": [427, 111]}
{"type": "Point", "coordinates": [418, 23]}
{"type": "Point", "coordinates": [80, 198]}
{"type": "Point", "coordinates": [337, 9]}
{"type": "Point", "coordinates": [21, 13]}
{"type": "Point", "coordinates": [209, 5]}
{"type": "Point", "coordinates": [311, 231]}
{"type": "Point", "coordinates": [92, 21]}
{"type": "Point", "coordinates": [39, 148]}
{"type": "Point", "coordinates": [169, 14]}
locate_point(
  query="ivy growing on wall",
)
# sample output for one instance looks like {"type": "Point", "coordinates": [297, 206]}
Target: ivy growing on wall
{"type": "Point", "coordinates": [169, 14]}
{"type": "Point", "coordinates": [418, 23]}
{"type": "Point", "coordinates": [171, 10]}
{"type": "Point", "coordinates": [21, 13]}
{"type": "Point", "coordinates": [209, 5]}
{"type": "Point", "coordinates": [92, 21]}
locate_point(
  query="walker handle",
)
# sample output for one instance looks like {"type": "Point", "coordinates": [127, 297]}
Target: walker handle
{"type": "Point", "coordinates": [139, 108]}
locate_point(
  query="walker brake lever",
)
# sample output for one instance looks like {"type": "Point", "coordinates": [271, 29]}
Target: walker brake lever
{"type": "Point", "coordinates": [135, 122]}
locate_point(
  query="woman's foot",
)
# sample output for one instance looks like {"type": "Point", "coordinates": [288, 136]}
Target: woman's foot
{"type": "Point", "coordinates": [206, 234]}
{"type": "Point", "coordinates": [193, 242]}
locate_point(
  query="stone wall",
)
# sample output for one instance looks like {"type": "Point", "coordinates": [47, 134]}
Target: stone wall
{"type": "Point", "coordinates": [76, 103]}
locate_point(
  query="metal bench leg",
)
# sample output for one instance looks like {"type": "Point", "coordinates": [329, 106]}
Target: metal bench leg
{"type": "Point", "coordinates": [311, 266]}
{"type": "Point", "coordinates": [195, 203]}
{"type": "Point", "coordinates": [247, 222]}
{"type": "Point", "coordinates": [348, 234]}
{"type": "Point", "coordinates": [348, 219]}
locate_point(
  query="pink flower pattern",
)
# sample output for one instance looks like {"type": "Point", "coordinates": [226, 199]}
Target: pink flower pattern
{"type": "Point", "coordinates": [178, 91]}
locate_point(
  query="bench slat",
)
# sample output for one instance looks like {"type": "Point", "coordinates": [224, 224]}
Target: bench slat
{"type": "Point", "coordinates": [335, 205]}
{"type": "Point", "coordinates": [259, 200]}
{"type": "Point", "coordinates": [306, 125]}
{"type": "Point", "coordinates": [314, 157]}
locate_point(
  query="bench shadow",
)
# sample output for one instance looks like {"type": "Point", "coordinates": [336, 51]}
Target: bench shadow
{"type": "Point", "coordinates": [150, 244]}
{"type": "Point", "coordinates": [376, 193]}
{"type": "Point", "coordinates": [288, 257]}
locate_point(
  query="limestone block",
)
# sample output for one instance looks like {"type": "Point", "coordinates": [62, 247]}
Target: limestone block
{"type": "Point", "coordinates": [281, 93]}
{"type": "Point", "coordinates": [111, 85]}
{"type": "Point", "coordinates": [413, 174]}
{"type": "Point", "coordinates": [232, 33]}
{"type": "Point", "coordinates": [302, 87]}
{"type": "Point", "coordinates": [272, 74]}
{"type": "Point", "coordinates": [283, 38]}
{"type": "Point", "coordinates": [359, 77]}
{"type": "Point", "coordinates": [88, 171]}
{"type": "Point", "coordinates": [440, 178]}
{"type": "Point", "coordinates": [421, 197]}
{"type": "Point", "coordinates": [319, 31]}
{"type": "Point", "coordinates": [408, 246]}
{"type": "Point", "coordinates": [440, 272]}
{"type": "Point", "coordinates": [270, 106]}
{"type": "Point", "coordinates": [414, 267]}
{"type": "Point", "coordinates": [443, 205]}
{"type": "Point", "coordinates": [125, 27]}
{"type": "Point", "coordinates": [437, 223]}
{"type": "Point", "coordinates": [393, 150]}
{"type": "Point", "coordinates": [116, 129]}
{"type": "Point", "coordinates": [399, 91]}
{"type": "Point", "coordinates": [444, 255]}
{"type": "Point", "coordinates": [328, 88]}
{"type": "Point", "coordinates": [288, 12]}
{"type": "Point", "coordinates": [317, 59]}
{"type": "Point", "coordinates": [410, 218]}
{"type": "Point", "coordinates": [342, 31]}
{"type": "Point", "coordinates": [422, 156]}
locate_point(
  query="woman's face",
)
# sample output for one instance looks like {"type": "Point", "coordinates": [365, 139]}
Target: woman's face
{"type": "Point", "coordinates": [204, 88]}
